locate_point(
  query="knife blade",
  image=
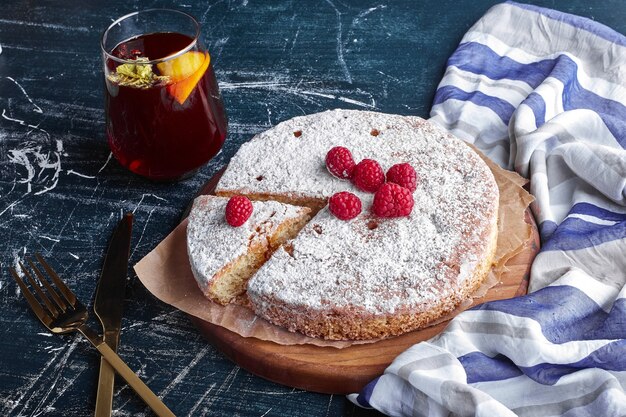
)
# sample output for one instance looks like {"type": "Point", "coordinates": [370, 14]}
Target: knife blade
{"type": "Point", "coordinates": [108, 306]}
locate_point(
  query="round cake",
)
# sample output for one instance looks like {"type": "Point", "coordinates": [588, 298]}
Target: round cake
{"type": "Point", "coordinates": [369, 277]}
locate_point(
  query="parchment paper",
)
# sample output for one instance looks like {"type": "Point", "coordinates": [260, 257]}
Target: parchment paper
{"type": "Point", "coordinates": [166, 273]}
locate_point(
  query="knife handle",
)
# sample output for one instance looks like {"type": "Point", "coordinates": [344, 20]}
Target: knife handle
{"type": "Point", "coordinates": [104, 397]}
{"type": "Point", "coordinates": [133, 380]}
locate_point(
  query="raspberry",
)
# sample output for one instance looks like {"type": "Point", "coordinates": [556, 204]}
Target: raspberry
{"type": "Point", "coordinates": [344, 205]}
{"type": "Point", "coordinates": [392, 200]}
{"type": "Point", "coordinates": [403, 175]}
{"type": "Point", "coordinates": [238, 210]}
{"type": "Point", "coordinates": [368, 175]}
{"type": "Point", "coordinates": [339, 162]}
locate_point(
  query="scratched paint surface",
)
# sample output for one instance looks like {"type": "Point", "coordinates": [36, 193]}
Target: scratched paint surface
{"type": "Point", "coordinates": [61, 192]}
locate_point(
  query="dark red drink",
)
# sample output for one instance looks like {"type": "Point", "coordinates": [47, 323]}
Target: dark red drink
{"type": "Point", "coordinates": [165, 116]}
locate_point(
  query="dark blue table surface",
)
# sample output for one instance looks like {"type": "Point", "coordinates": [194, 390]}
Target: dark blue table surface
{"type": "Point", "coordinates": [61, 192]}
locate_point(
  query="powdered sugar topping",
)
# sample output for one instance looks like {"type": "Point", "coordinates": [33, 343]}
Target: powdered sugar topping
{"type": "Point", "coordinates": [371, 265]}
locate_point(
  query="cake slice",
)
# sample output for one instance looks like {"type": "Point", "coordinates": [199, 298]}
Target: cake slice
{"type": "Point", "coordinates": [223, 257]}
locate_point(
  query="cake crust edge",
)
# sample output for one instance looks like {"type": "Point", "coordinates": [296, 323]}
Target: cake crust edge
{"type": "Point", "coordinates": [365, 326]}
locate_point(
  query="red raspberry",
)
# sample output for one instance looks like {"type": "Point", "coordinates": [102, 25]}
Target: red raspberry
{"type": "Point", "coordinates": [392, 200]}
{"type": "Point", "coordinates": [403, 175]}
{"type": "Point", "coordinates": [238, 210]}
{"type": "Point", "coordinates": [339, 162]}
{"type": "Point", "coordinates": [344, 205]}
{"type": "Point", "coordinates": [368, 175]}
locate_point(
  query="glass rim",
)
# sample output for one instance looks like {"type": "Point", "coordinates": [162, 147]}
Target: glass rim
{"type": "Point", "coordinates": [193, 42]}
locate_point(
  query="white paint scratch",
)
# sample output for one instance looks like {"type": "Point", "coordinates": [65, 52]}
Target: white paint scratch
{"type": "Point", "coordinates": [291, 89]}
{"type": "Point", "coordinates": [58, 361]}
{"type": "Point", "coordinates": [197, 404]}
{"type": "Point", "coordinates": [389, 76]}
{"type": "Point", "coordinates": [182, 374]}
{"type": "Point", "coordinates": [141, 201]}
{"type": "Point", "coordinates": [267, 412]}
{"type": "Point", "coordinates": [49, 238]}
{"type": "Point", "coordinates": [56, 166]}
{"type": "Point", "coordinates": [20, 157]}
{"type": "Point", "coordinates": [225, 386]}
{"type": "Point", "coordinates": [344, 99]}
{"type": "Point", "coordinates": [330, 401]}
{"type": "Point", "coordinates": [46, 25]}
{"type": "Point", "coordinates": [74, 256]}
{"type": "Point", "coordinates": [143, 231]}
{"type": "Point", "coordinates": [143, 323]}
{"type": "Point", "coordinates": [358, 103]}
{"type": "Point", "coordinates": [370, 10]}
{"type": "Point", "coordinates": [10, 206]}
{"type": "Point", "coordinates": [251, 84]}
{"type": "Point", "coordinates": [105, 162]}
{"type": "Point", "coordinates": [218, 46]}
{"type": "Point", "coordinates": [19, 121]}
{"type": "Point", "coordinates": [314, 93]}
{"type": "Point", "coordinates": [33, 157]}
{"type": "Point", "coordinates": [36, 107]}
{"type": "Point", "coordinates": [279, 393]}
{"type": "Point", "coordinates": [51, 349]}
{"type": "Point", "coordinates": [17, 260]}
{"type": "Point", "coordinates": [157, 197]}
{"type": "Point", "coordinates": [206, 12]}
{"type": "Point", "coordinates": [40, 50]}
{"type": "Point", "coordinates": [295, 38]}
{"type": "Point", "coordinates": [340, 57]}
{"type": "Point", "coordinates": [67, 383]}
{"type": "Point", "coordinates": [71, 171]}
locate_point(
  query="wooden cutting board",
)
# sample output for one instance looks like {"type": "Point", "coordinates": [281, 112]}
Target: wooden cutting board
{"type": "Point", "coordinates": [342, 371]}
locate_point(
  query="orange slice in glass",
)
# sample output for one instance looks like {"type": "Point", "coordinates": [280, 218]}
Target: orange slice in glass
{"type": "Point", "coordinates": [185, 72]}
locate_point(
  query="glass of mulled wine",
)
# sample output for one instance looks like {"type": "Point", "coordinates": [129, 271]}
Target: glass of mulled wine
{"type": "Point", "coordinates": [164, 113]}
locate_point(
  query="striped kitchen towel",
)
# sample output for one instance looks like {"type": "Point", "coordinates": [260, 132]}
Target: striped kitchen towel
{"type": "Point", "coordinates": [544, 93]}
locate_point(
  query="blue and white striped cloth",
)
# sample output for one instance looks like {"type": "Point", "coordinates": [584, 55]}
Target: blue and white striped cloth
{"type": "Point", "coordinates": [544, 93]}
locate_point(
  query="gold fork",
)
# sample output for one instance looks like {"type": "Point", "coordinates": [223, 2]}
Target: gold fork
{"type": "Point", "coordinates": [65, 314]}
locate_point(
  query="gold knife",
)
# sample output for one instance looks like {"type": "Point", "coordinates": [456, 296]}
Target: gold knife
{"type": "Point", "coordinates": [108, 306]}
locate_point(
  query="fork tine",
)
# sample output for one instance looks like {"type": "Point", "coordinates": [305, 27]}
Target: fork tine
{"type": "Point", "coordinates": [67, 293]}
{"type": "Point", "coordinates": [54, 312]}
{"type": "Point", "coordinates": [32, 301]}
{"type": "Point", "coordinates": [62, 304]}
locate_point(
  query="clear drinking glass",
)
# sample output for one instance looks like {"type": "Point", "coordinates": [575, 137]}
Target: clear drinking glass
{"type": "Point", "coordinates": [164, 113]}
